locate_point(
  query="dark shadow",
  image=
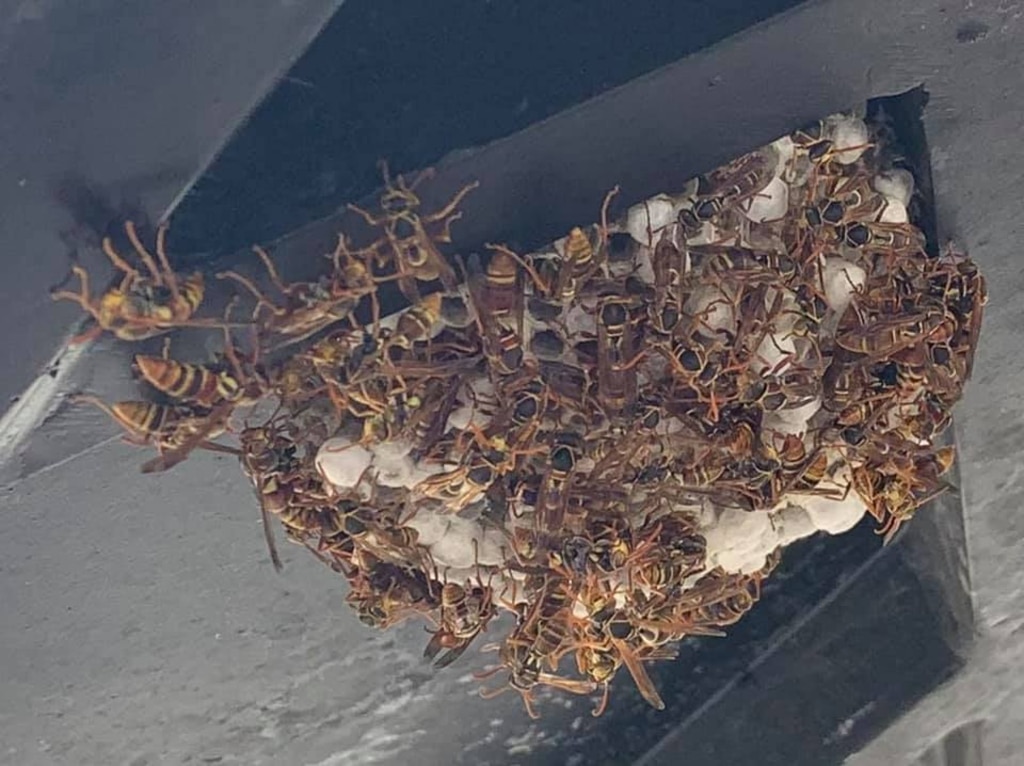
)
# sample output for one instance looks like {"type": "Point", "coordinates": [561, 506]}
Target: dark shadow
{"type": "Point", "coordinates": [905, 134]}
{"type": "Point", "coordinates": [411, 82]}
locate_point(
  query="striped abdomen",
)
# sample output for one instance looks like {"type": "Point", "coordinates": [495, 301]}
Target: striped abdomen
{"type": "Point", "coordinates": [188, 383]}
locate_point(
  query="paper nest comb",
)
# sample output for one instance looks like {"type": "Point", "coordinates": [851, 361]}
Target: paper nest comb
{"type": "Point", "coordinates": [613, 437]}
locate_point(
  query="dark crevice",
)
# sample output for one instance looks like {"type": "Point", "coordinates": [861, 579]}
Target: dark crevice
{"type": "Point", "coordinates": [411, 82]}
{"type": "Point", "coordinates": [901, 117]}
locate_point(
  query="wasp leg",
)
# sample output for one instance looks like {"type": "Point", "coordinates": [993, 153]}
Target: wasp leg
{"type": "Point", "coordinates": [604, 211]}
{"type": "Point", "coordinates": [259, 295]}
{"type": "Point", "coordinates": [120, 263]}
{"type": "Point", "coordinates": [161, 254]}
{"type": "Point", "coordinates": [448, 209]}
{"type": "Point", "coordinates": [271, 269]}
{"type": "Point", "coordinates": [144, 254]}
{"type": "Point", "coordinates": [229, 343]}
{"type": "Point", "coordinates": [82, 297]}
{"type": "Point", "coordinates": [368, 217]}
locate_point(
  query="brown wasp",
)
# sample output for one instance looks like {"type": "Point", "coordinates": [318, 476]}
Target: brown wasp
{"type": "Point", "coordinates": [173, 429]}
{"type": "Point", "coordinates": [458, 488]}
{"type": "Point", "coordinates": [541, 633]}
{"type": "Point", "coordinates": [616, 647]}
{"type": "Point", "coordinates": [553, 498]}
{"type": "Point", "coordinates": [813, 139]}
{"type": "Point", "coordinates": [268, 457]}
{"type": "Point", "coordinates": [664, 572]}
{"type": "Point", "coordinates": [203, 386]}
{"type": "Point", "coordinates": [416, 323]}
{"type": "Point", "coordinates": [606, 640]}
{"type": "Point", "coordinates": [816, 142]}
{"type": "Point", "coordinates": [409, 247]}
{"type": "Point", "coordinates": [846, 201]}
{"type": "Point", "coordinates": [890, 241]}
{"type": "Point", "coordinates": [669, 266]}
{"type": "Point", "coordinates": [189, 383]}
{"type": "Point", "coordinates": [309, 307]}
{"type": "Point", "coordinates": [582, 254]}
{"type": "Point", "coordinates": [895, 487]}
{"type": "Point", "coordinates": [526, 674]}
{"type": "Point", "coordinates": [739, 180]}
{"type": "Point", "coordinates": [964, 290]}
{"type": "Point", "coordinates": [465, 613]}
{"type": "Point", "coordinates": [884, 336]}
{"type": "Point", "coordinates": [497, 296]}
{"type": "Point", "coordinates": [618, 353]}
{"type": "Point", "coordinates": [139, 306]}
{"type": "Point", "coordinates": [384, 594]}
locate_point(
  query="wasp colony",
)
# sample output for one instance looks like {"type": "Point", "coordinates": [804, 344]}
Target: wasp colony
{"type": "Point", "coordinates": [612, 438]}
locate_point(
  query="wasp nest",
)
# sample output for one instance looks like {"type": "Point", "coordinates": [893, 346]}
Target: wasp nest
{"type": "Point", "coordinates": [612, 437]}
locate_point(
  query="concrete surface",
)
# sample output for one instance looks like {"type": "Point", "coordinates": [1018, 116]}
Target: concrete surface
{"type": "Point", "coordinates": [142, 623]}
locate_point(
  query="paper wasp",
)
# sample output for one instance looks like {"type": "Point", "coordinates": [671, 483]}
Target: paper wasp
{"type": "Point", "coordinates": [408, 247]}
{"type": "Point", "coordinates": [525, 675]}
{"type": "Point", "coordinates": [497, 297]}
{"type": "Point", "coordinates": [618, 353]}
{"type": "Point", "coordinates": [139, 306]}
{"type": "Point", "coordinates": [173, 429]}
{"type": "Point", "coordinates": [881, 337]}
{"type": "Point", "coordinates": [309, 307]}
{"type": "Point", "coordinates": [739, 180]}
{"type": "Point", "coordinates": [583, 255]}
{"type": "Point", "coordinates": [465, 613]}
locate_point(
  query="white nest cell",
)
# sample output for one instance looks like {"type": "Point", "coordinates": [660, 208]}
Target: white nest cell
{"type": "Point", "coordinates": [792, 420]}
{"type": "Point", "coordinates": [785, 150]}
{"type": "Point", "coordinates": [645, 221]}
{"type": "Point", "coordinates": [739, 541]}
{"type": "Point", "coordinates": [894, 211]}
{"type": "Point", "coordinates": [792, 523]}
{"type": "Point", "coordinates": [850, 138]}
{"type": "Point", "coordinates": [832, 515]}
{"type": "Point", "coordinates": [769, 204]}
{"type": "Point", "coordinates": [843, 280]}
{"type": "Point", "coordinates": [343, 464]}
{"type": "Point", "coordinates": [896, 185]}
{"type": "Point", "coordinates": [774, 354]}
{"type": "Point", "coordinates": [714, 310]}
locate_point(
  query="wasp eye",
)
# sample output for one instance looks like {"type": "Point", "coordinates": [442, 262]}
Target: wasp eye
{"type": "Point", "coordinates": [526, 408]}
{"type": "Point", "coordinates": [482, 475]}
{"type": "Point", "coordinates": [819, 151]}
{"type": "Point", "coordinates": [856, 235]}
{"type": "Point", "coordinates": [620, 630]}
{"type": "Point", "coordinates": [562, 459]}
{"type": "Point", "coordinates": [613, 315]}
{"type": "Point", "coordinates": [688, 219]}
{"type": "Point", "coordinates": [512, 359]}
{"type": "Point", "coordinates": [708, 209]}
{"type": "Point", "coordinates": [690, 360]}
{"type": "Point", "coordinates": [833, 212]}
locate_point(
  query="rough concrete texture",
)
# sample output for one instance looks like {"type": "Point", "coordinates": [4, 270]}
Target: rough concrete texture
{"type": "Point", "coordinates": [139, 629]}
